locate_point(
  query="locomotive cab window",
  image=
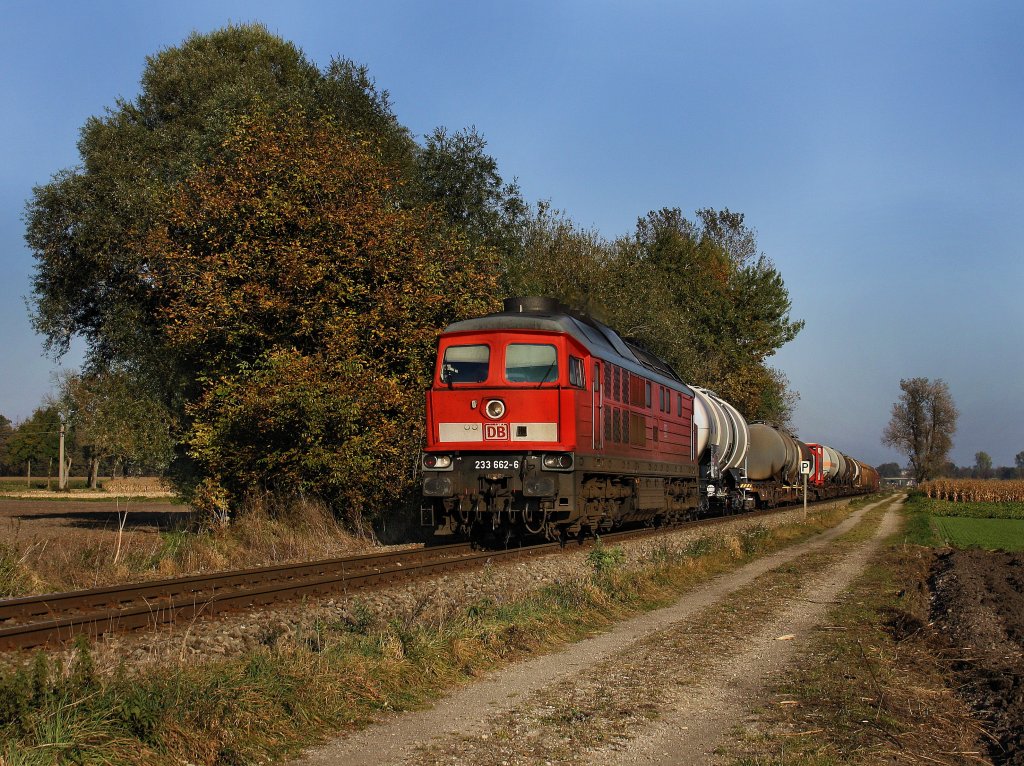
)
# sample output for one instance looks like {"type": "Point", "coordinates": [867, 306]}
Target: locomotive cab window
{"type": "Point", "coordinates": [465, 364]}
{"type": "Point", "coordinates": [531, 363]}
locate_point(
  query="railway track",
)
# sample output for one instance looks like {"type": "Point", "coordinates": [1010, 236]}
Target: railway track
{"type": "Point", "coordinates": [54, 618]}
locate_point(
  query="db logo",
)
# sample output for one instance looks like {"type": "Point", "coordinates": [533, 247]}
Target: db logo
{"type": "Point", "coordinates": [496, 431]}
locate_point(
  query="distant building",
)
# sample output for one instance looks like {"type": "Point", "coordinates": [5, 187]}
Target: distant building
{"type": "Point", "coordinates": [899, 481]}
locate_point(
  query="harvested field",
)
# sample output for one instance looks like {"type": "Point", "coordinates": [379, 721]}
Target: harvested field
{"type": "Point", "coordinates": [85, 519]}
{"type": "Point", "coordinates": [978, 607]}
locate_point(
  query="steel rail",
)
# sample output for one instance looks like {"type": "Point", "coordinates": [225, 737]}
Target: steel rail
{"type": "Point", "coordinates": [60, 617]}
{"type": "Point", "coordinates": [118, 596]}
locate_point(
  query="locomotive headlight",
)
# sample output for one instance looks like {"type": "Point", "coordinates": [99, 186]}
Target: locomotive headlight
{"type": "Point", "coordinates": [437, 462]}
{"type": "Point", "coordinates": [494, 409]}
{"type": "Point", "coordinates": [560, 462]}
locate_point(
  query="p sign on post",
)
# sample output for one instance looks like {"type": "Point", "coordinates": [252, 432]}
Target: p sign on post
{"type": "Point", "coordinates": [805, 469]}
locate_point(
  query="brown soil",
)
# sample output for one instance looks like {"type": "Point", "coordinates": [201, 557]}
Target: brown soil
{"type": "Point", "coordinates": [978, 605]}
{"type": "Point", "coordinates": [93, 520]}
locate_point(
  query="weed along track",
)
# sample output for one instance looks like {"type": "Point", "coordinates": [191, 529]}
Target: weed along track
{"type": "Point", "coordinates": [54, 618]}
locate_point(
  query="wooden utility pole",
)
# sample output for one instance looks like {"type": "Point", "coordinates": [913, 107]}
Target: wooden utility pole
{"type": "Point", "coordinates": [62, 479]}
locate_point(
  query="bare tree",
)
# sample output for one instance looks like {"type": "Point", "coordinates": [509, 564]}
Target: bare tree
{"type": "Point", "coordinates": [922, 425]}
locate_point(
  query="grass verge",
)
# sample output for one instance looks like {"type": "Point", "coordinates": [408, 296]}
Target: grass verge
{"type": "Point", "coordinates": [295, 689]}
{"type": "Point", "coordinates": [888, 702]}
{"type": "Point", "coordinates": [266, 531]}
{"type": "Point", "coordinates": [579, 719]}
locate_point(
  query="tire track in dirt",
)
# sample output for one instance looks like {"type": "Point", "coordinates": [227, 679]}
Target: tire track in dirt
{"type": "Point", "coordinates": [702, 718]}
{"type": "Point", "coordinates": [423, 736]}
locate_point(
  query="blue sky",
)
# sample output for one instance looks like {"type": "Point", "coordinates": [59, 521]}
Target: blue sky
{"type": "Point", "coordinates": [877, 148]}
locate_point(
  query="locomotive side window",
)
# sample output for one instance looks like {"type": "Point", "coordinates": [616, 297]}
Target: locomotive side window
{"type": "Point", "coordinates": [648, 393]}
{"type": "Point", "coordinates": [465, 364]}
{"type": "Point", "coordinates": [531, 363]}
{"type": "Point", "coordinates": [577, 372]}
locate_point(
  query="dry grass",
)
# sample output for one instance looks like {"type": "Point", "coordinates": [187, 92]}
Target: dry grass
{"type": "Point", "coordinates": [888, 704]}
{"type": "Point", "coordinates": [266, 531]}
{"type": "Point", "coordinates": [137, 486]}
{"type": "Point", "coordinates": [325, 675]}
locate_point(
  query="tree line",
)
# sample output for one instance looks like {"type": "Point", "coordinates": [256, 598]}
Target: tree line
{"type": "Point", "coordinates": [260, 258]}
{"type": "Point", "coordinates": [982, 469]}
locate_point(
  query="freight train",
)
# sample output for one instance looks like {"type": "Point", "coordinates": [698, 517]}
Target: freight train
{"type": "Point", "coordinates": [543, 422]}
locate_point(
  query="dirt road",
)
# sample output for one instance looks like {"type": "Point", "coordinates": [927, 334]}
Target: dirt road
{"type": "Point", "coordinates": [641, 693]}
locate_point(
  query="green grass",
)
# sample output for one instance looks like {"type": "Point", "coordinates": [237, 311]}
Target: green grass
{"type": "Point", "coordinates": [993, 534]}
{"type": "Point", "coordinates": [937, 523]}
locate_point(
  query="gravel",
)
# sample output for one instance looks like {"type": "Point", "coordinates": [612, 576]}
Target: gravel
{"type": "Point", "coordinates": [426, 599]}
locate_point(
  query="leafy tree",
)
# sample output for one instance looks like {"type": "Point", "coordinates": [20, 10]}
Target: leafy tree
{"type": "Point", "coordinates": [458, 177]}
{"type": "Point", "coordinates": [310, 300]}
{"type": "Point", "coordinates": [889, 470]}
{"type": "Point", "coordinates": [707, 303]}
{"type": "Point", "coordinates": [982, 465]}
{"type": "Point", "coordinates": [922, 425]}
{"type": "Point", "coordinates": [6, 430]}
{"type": "Point", "coordinates": [112, 246]}
{"type": "Point", "coordinates": [1019, 461]}
{"type": "Point", "coordinates": [556, 258]}
{"type": "Point", "coordinates": [696, 294]}
{"type": "Point", "coordinates": [86, 227]}
{"type": "Point", "coordinates": [35, 440]}
{"type": "Point", "coordinates": [115, 416]}
{"type": "Point", "coordinates": [732, 301]}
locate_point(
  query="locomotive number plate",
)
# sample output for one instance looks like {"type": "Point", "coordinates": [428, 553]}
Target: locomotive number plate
{"type": "Point", "coordinates": [497, 465]}
{"type": "Point", "coordinates": [496, 431]}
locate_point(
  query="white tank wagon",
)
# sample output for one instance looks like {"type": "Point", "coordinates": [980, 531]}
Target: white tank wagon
{"type": "Point", "coordinates": [723, 437]}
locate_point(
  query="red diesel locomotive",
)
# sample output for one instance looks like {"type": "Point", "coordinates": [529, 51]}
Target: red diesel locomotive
{"type": "Point", "coordinates": [543, 421]}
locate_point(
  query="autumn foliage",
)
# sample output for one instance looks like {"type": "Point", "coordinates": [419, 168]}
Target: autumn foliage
{"type": "Point", "coordinates": [308, 300]}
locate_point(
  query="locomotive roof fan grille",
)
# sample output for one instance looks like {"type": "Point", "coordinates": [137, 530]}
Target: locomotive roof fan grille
{"type": "Point", "coordinates": [533, 305]}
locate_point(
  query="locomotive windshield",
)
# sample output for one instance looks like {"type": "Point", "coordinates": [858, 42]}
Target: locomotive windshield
{"type": "Point", "coordinates": [531, 363]}
{"type": "Point", "coordinates": [465, 364]}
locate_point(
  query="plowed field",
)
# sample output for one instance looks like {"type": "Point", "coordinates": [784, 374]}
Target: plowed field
{"type": "Point", "coordinates": [978, 604]}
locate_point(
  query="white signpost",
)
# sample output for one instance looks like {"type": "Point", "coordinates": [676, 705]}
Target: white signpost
{"type": "Point", "coordinates": [805, 469]}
